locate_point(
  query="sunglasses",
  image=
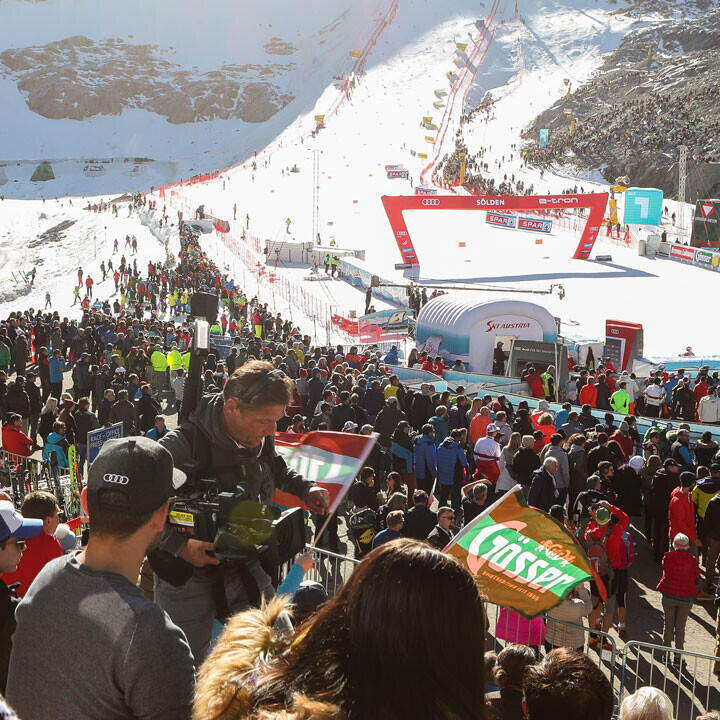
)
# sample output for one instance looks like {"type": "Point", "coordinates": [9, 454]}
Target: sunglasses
{"type": "Point", "coordinates": [20, 543]}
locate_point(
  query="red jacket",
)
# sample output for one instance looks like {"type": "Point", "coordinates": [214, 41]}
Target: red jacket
{"type": "Point", "coordinates": [681, 514]}
{"type": "Point", "coordinates": [536, 384]}
{"type": "Point", "coordinates": [588, 395]}
{"type": "Point", "coordinates": [40, 550]}
{"type": "Point", "coordinates": [15, 441]}
{"type": "Point", "coordinates": [701, 390]}
{"type": "Point", "coordinates": [625, 442]}
{"type": "Point", "coordinates": [614, 538]}
{"type": "Point", "coordinates": [680, 573]}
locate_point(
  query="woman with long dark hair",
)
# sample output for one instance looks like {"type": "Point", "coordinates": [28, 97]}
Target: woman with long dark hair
{"type": "Point", "coordinates": [365, 655]}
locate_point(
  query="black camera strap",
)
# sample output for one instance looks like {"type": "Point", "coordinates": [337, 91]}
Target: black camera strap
{"type": "Point", "coordinates": [222, 607]}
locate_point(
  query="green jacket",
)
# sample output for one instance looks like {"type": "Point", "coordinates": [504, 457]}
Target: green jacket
{"type": "Point", "coordinates": [5, 357]}
{"type": "Point", "coordinates": [548, 382]}
{"type": "Point", "coordinates": [159, 361]}
{"type": "Point", "coordinates": [174, 359]}
{"type": "Point", "coordinates": [620, 401]}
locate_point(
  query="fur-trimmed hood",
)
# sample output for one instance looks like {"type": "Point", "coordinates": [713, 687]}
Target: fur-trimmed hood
{"type": "Point", "coordinates": [224, 690]}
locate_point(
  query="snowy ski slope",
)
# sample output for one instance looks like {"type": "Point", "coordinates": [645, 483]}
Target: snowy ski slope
{"type": "Point", "coordinates": [523, 61]}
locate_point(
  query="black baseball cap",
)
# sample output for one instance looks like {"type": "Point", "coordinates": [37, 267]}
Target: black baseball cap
{"type": "Point", "coordinates": [140, 468]}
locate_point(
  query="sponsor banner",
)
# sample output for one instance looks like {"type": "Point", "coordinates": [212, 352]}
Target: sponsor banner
{"type": "Point", "coordinates": [425, 190]}
{"type": "Point", "coordinates": [643, 206]}
{"type": "Point", "coordinates": [508, 221]}
{"type": "Point", "coordinates": [422, 155]}
{"type": "Point", "coordinates": [319, 118]}
{"type": "Point", "coordinates": [431, 345]}
{"type": "Point", "coordinates": [427, 119]}
{"type": "Point", "coordinates": [535, 224]}
{"type": "Point", "coordinates": [708, 259]}
{"type": "Point", "coordinates": [97, 438]}
{"type": "Point", "coordinates": [376, 326]}
{"type": "Point", "coordinates": [544, 137]}
{"type": "Point", "coordinates": [521, 558]}
{"type": "Point", "coordinates": [682, 253]}
{"type": "Point", "coordinates": [388, 168]}
{"type": "Point", "coordinates": [330, 459]}
{"type": "Point", "coordinates": [706, 229]}
{"type": "Point", "coordinates": [397, 174]}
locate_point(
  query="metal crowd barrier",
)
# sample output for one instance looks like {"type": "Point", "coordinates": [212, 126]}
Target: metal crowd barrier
{"type": "Point", "coordinates": [688, 682]}
{"type": "Point", "coordinates": [330, 569]}
{"type": "Point", "coordinates": [20, 474]}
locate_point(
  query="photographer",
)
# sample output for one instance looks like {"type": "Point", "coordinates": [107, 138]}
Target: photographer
{"type": "Point", "coordinates": [230, 436]}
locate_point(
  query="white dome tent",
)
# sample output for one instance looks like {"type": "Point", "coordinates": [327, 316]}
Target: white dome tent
{"type": "Point", "coordinates": [459, 330]}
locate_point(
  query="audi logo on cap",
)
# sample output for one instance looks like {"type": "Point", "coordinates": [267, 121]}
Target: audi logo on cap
{"type": "Point", "coordinates": [116, 479]}
{"type": "Point", "coordinates": [431, 201]}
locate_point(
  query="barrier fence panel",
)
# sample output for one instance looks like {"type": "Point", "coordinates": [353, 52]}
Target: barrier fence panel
{"type": "Point", "coordinates": [330, 569]}
{"type": "Point", "coordinates": [686, 677]}
{"type": "Point", "coordinates": [509, 628]}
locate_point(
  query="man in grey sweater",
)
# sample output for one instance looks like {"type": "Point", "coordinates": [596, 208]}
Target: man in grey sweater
{"type": "Point", "coordinates": [562, 475]}
{"type": "Point", "coordinates": [121, 657]}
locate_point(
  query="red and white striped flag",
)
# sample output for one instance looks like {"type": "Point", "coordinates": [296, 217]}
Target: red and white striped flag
{"type": "Point", "coordinates": [330, 459]}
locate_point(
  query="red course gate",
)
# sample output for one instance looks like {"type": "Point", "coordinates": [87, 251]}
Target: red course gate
{"type": "Point", "coordinates": [395, 205]}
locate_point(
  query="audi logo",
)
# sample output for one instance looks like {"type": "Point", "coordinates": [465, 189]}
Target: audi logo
{"type": "Point", "coordinates": [431, 201]}
{"type": "Point", "coordinates": [116, 479]}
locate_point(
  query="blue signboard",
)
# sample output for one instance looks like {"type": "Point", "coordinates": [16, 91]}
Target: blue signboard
{"type": "Point", "coordinates": [544, 137]}
{"type": "Point", "coordinates": [97, 438]}
{"type": "Point", "coordinates": [643, 206]}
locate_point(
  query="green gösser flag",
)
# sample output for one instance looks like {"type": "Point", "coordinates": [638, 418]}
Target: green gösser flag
{"type": "Point", "coordinates": [522, 559]}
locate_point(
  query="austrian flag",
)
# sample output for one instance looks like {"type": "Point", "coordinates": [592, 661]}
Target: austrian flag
{"type": "Point", "coordinates": [331, 459]}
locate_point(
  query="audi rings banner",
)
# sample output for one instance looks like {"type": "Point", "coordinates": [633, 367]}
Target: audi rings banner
{"type": "Point", "coordinates": [396, 205]}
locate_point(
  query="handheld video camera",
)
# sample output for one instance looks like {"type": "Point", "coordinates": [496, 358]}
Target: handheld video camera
{"type": "Point", "coordinates": [239, 527]}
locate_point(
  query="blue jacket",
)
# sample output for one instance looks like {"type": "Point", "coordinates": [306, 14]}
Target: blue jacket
{"type": "Point", "coordinates": [385, 536]}
{"type": "Point", "coordinates": [448, 455]}
{"type": "Point", "coordinates": [425, 454]}
{"type": "Point", "coordinates": [669, 386]}
{"type": "Point", "coordinates": [392, 357]}
{"type": "Point", "coordinates": [56, 443]}
{"type": "Point", "coordinates": [57, 365]}
{"type": "Point", "coordinates": [442, 429]}
{"type": "Point", "coordinates": [561, 418]}
{"type": "Point", "coordinates": [152, 433]}
{"type": "Point", "coordinates": [404, 454]}
{"type": "Point", "coordinates": [81, 375]}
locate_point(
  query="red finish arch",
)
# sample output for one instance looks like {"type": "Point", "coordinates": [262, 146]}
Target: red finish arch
{"type": "Point", "coordinates": [395, 205]}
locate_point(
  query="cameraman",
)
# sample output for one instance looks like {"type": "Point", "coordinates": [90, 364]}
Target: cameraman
{"type": "Point", "coordinates": [231, 436]}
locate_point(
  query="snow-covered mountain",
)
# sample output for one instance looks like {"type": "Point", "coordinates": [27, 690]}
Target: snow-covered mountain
{"type": "Point", "coordinates": [150, 93]}
{"type": "Point", "coordinates": [420, 59]}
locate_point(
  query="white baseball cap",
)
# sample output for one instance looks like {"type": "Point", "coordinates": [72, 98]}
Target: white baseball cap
{"type": "Point", "coordinates": [13, 524]}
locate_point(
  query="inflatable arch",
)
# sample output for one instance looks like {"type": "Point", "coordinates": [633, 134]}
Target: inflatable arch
{"type": "Point", "coordinates": [468, 331]}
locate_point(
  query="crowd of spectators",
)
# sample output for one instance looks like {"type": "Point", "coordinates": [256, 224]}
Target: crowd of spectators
{"type": "Point", "coordinates": [657, 122]}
